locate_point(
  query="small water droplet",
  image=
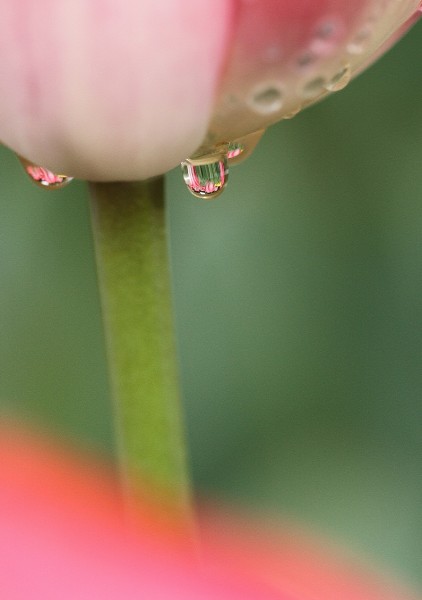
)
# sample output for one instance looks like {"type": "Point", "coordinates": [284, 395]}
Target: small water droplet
{"type": "Point", "coordinates": [292, 113]}
{"type": "Point", "coordinates": [340, 80]}
{"type": "Point", "coordinates": [267, 98]}
{"type": "Point", "coordinates": [358, 43]}
{"type": "Point", "coordinates": [314, 87]}
{"type": "Point", "coordinates": [327, 37]}
{"type": "Point", "coordinates": [44, 177]}
{"type": "Point", "coordinates": [307, 59]}
{"type": "Point", "coordinates": [234, 149]}
{"type": "Point", "coordinates": [325, 30]}
{"type": "Point", "coordinates": [238, 150]}
{"type": "Point", "coordinates": [206, 177]}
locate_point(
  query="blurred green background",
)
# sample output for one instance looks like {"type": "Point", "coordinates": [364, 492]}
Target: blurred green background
{"type": "Point", "coordinates": [298, 300]}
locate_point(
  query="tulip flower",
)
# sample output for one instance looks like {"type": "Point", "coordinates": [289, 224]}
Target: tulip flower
{"type": "Point", "coordinates": [63, 535]}
{"type": "Point", "coordinates": [117, 91]}
{"type": "Point", "coordinates": [113, 90]}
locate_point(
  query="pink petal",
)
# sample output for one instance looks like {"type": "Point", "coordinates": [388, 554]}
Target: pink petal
{"type": "Point", "coordinates": [109, 89]}
{"type": "Point", "coordinates": [287, 54]}
{"type": "Point", "coordinates": [112, 89]}
{"type": "Point", "coordinates": [288, 558]}
{"type": "Point", "coordinates": [64, 535]}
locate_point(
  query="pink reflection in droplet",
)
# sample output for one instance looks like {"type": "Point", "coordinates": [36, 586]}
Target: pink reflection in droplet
{"type": "Point", "coordinates": [44, 177]}
{"type": "Point", "coordinates": [235, 152]}
{"type": "Point", "coordinates": [205, 179]}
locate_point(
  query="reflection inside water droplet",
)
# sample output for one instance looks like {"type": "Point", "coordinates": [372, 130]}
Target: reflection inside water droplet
{"type": "Point", "coordinates": [206, 177]}
{"type": "Point", "coordinates": [239, 149]}
{"type": "Point", "coordinates": [44, 177]}
{"type": "Point", "coordinates": [234, 149]}
{"type": "Point", "coordinates": [340, 80]}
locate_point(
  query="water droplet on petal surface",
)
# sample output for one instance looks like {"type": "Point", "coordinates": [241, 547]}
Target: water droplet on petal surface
{"type": "Point", "coordinates": [340, 80]}
{"type": "Point", "coordinates": [306, 60]}
{"type": "Point", "coordinates": [313, 88]}
{"type": "Point", "coordinates": [238, 150]}
{"type": "Point", "coordinates": [44, 177]}
{"type": "Point", "coordinates": [292, 113]}
{"type": "Point", "coordinates": [206, 177]}
{"type": "Point", "coordinates": [234, 150]}
{"type": "Point", "coordinates": [327, 37]}
{"type": "Point", "coordinates": [360, 41]}
{"type": "Point", "coordinates": [266, 99]}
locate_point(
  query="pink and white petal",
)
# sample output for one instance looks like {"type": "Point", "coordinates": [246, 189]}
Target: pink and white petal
{"type": "Point", "coordinates": [109, 89]}
{"type": "Point", "coordinates": [114, 89]}
{"type": "Point", "coordinates": [287, 54]}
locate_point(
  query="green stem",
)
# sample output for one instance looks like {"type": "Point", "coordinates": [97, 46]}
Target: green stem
{"type": "Point", "coordinates": [132, 258]}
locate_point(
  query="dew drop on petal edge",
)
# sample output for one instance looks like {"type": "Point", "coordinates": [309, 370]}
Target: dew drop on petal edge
{"type": "Point", "coordinates": [43, 177]}
{"type": "Point", "coordinates": [234, 150]}
{"type": "Point", "coordinates": [340, 80]}
{"type": "Point", "coordinates": [238, 150]}
{"type": "Point", "coordinates": [206, 177]}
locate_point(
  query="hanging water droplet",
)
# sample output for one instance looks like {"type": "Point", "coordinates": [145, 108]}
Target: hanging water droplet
{"type": "Point", "coordinates": [266, 98]}
{"type": "Point", "coordinates": [206, 177]}
{"type": "Point", "coordinates": [240, 149]}
{"type": "Point", "coordinates": [44, 177]}
{"type": "Point", "coordinates": [340, 80]}
{"type": "Point", "coordinates": [234, 149]}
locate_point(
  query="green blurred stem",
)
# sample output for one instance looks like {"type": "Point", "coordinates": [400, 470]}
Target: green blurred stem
{"type": "Point", "coordinates": [132, 258]}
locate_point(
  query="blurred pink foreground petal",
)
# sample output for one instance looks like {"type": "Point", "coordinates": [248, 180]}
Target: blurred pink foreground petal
{"type": "Point", "coordinates": [63, 535]}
